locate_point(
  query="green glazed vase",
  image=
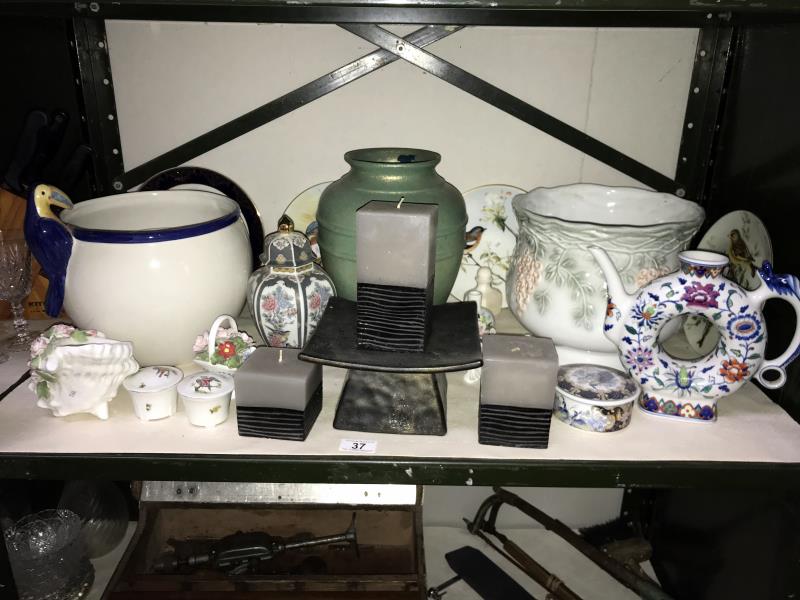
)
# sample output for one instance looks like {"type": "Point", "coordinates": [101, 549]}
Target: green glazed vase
{"type": "Point", "coordinates": [389, 174]}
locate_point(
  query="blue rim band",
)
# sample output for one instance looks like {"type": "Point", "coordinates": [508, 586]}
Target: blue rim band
{"type": "Point", "coordinates": [110, 236]}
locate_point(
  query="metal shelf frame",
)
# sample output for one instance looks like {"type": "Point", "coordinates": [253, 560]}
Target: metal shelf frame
{"type": "Point", "coordinates": [719, 24]}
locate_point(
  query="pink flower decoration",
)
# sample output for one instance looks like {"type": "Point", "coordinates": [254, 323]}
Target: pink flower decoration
{"type": "Point", "coordinates": [62, 330]}
{"type": "Point", "coordinates": [38, 346]}
{"type": "Point", "coordinates": [200, 343]}
{"type": "Point", "coordinates": [698, 294]}
{"type": "Point", "coordinates": [269, 303]}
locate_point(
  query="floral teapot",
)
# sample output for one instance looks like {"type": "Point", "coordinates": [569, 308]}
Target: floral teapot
{"type": "Point", "coordinates": [690, 388]}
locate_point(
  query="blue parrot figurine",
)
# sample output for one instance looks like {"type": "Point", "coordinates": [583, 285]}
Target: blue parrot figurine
{"type": "Point", "coordinates": [50, 242]}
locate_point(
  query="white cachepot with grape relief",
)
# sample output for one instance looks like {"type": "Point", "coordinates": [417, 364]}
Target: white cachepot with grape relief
{"type": "Point", "coordinates": [555, 287]}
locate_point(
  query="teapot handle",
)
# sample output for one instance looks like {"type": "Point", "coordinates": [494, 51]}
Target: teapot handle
{"type": "Point", "coordinates": [785, 287]}
{"type": "Point", "coordinates": [171, 178]}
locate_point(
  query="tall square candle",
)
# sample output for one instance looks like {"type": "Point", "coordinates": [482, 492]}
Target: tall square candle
{"type": "Point", "coordinates": [395, 261]}
{"type": "Point", "coordinates": [396, 243]}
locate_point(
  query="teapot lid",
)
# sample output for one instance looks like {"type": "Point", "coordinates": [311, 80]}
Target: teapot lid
{"type": "Point", "coordinates": [286, 247]}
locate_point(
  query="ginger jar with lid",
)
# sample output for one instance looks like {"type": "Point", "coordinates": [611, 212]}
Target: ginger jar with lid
{"type": "Point", "coordinates": [289, 293]}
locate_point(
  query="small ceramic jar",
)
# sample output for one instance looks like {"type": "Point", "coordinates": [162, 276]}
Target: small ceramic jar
{"type": "Point", "coordinates": [594, 398]}
{"type": "Point", "coordinates": [289, 293]}
{"type": "Point", "coordinates": [154, 392]}
{"type": "Point", "coordinates": [206, 397]}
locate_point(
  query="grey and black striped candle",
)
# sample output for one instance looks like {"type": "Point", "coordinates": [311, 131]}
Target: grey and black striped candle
{"type": "Point", "coordinates": [395, 260]}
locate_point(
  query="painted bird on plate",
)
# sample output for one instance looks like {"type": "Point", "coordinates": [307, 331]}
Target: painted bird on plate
{"type": "Point", "coordinates": [49, 240]}
{"type": "Point", "coordinates": [739, 253]}
{"type": "Point", "coordinates": [472, 238]}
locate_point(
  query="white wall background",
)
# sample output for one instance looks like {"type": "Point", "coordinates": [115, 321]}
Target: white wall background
{"type": "Point", "coordinates": [627, 87]}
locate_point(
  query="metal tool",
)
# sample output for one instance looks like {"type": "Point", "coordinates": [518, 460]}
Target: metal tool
{"type": "Point", "coordinates": [240, 552]}
{"type": "Point", "coordinates": [486, 518]}
{"type": "Point", "coordinates": [488, 580]}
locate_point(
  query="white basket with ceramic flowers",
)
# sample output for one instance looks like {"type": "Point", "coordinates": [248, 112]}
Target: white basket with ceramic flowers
{"type": "Point", "coordinates": [223, 350]}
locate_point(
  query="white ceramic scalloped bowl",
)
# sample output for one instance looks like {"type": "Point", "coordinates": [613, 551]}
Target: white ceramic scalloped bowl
{"type": "Point", "coordinates": [557, 290]}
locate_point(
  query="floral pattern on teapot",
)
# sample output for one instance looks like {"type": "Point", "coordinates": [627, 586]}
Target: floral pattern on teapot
{"type": "Point", "coordinates": [740, 351]}
{"type": "Point", "coordinates": [690, 388]}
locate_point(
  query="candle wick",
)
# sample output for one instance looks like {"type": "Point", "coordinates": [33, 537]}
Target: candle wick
{"type": "Point", "coordinates": [280, 356]}
{"type": "Point", "coordinates": [401, 201]}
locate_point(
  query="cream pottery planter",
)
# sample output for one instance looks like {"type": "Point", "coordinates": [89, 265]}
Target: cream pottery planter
{"type": "Point", "coordinates": [556, 289]}
{"type": "Point", "coordinates": [155, 268]}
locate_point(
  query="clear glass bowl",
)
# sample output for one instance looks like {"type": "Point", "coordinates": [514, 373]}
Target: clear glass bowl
{"type": "Point", "coordinates": [102, 510]}
{"type": "Point", "coordinates": [48, 556]}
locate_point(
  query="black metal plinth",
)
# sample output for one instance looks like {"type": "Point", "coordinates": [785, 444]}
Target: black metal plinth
{"type": "Point", "coordinates": [382, 402]}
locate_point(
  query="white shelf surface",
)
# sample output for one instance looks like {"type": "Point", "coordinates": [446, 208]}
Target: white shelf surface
{"type": "Point", "coordinates": [750, 428]}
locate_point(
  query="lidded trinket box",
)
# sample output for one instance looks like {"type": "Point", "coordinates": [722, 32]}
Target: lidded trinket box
{"type": "Point", "coordinates": [289, 293]}
{"type": "Point", "coordinates": [154, 392]}
{"type": "Point", "coordinates": [206, 397]}
{"type": "Point", "coordinates": [595, 397]}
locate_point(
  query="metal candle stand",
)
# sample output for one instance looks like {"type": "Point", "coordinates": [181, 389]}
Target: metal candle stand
{"type": "Point", "coordinates": [396, 392]}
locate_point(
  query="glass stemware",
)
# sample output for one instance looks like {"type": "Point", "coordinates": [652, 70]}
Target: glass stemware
{"type": "Point", "coordinates": [15, 283]}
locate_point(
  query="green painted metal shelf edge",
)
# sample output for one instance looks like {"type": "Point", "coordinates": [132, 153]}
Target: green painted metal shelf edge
{"type": "Point", "coordinates": [553, 5]}
{"type": "Point", "coordinates": [402, 470]}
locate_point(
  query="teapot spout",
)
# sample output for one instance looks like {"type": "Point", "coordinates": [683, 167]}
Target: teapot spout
{"type": "Point", "coordinates": [619, 301]}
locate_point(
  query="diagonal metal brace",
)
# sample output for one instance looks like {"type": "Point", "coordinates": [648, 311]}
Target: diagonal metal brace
{"type": "Point", "coordinates": [280, 106]}
{"type": "Point", "coordinates": [514, 106]}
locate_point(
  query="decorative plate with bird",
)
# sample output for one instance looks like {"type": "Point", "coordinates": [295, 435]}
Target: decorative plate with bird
{"type": "Point", "coordinates": [303, 212]}
{"type": "Point", "coordinates": [490, 237]}
{"type": "Point", "coordinates": [742, 237]}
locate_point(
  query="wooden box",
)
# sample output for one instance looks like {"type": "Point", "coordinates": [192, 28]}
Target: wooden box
{"type": "Point", "coordinates": [390, 563]}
